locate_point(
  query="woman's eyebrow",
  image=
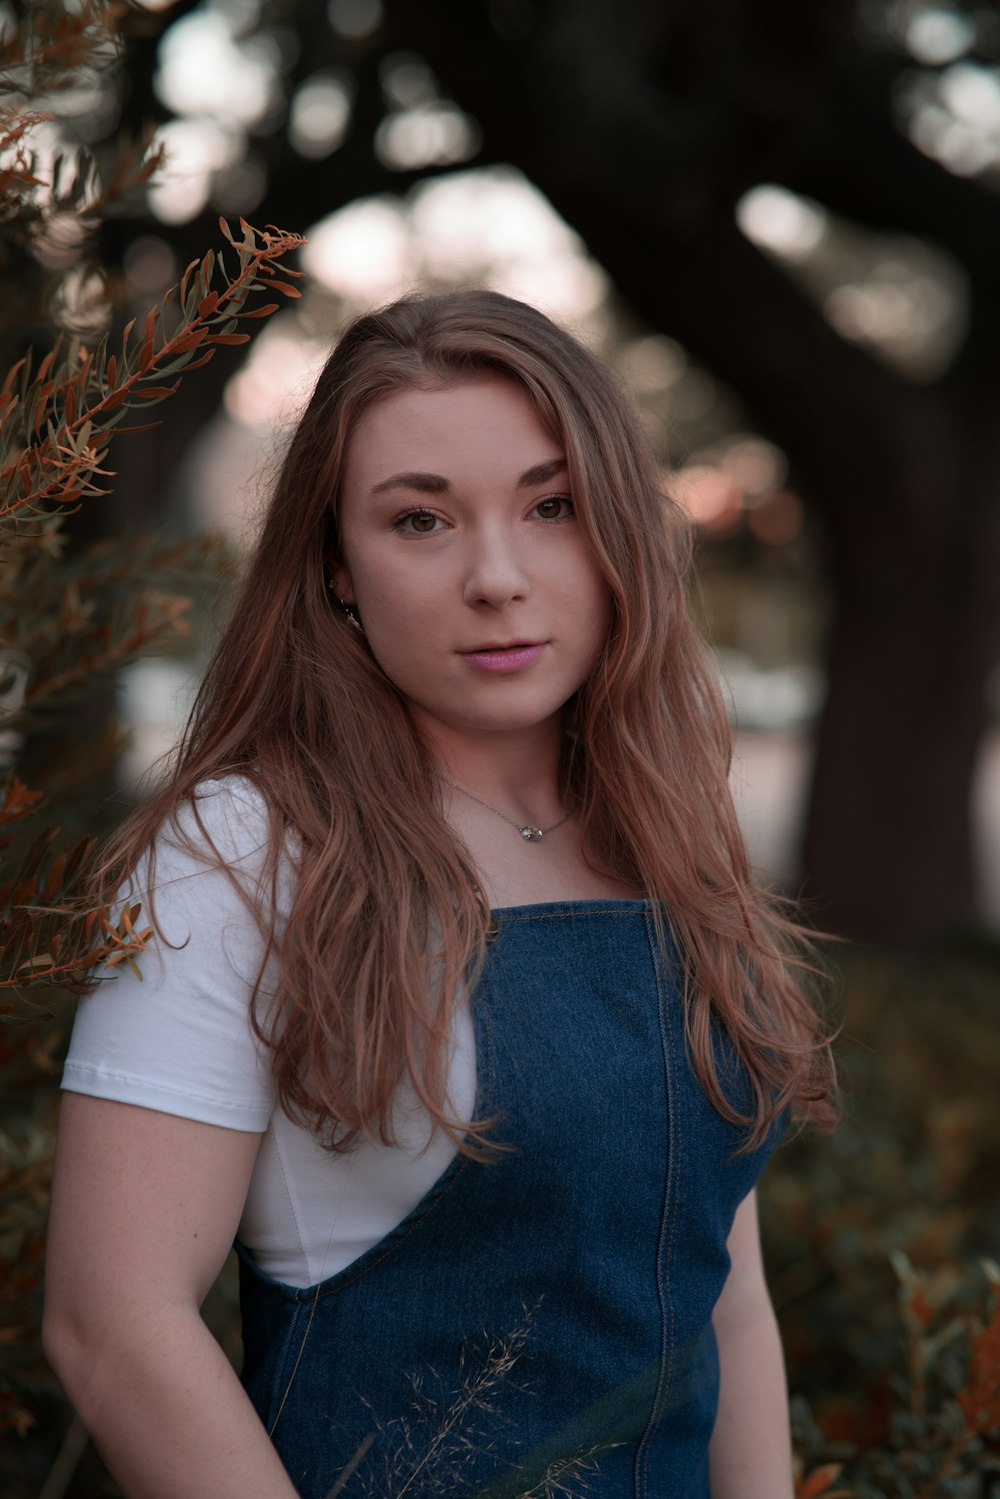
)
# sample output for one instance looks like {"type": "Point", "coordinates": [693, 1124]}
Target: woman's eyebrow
{"type": "Point", "coordinates": [426, 483]}
{"type": "Point", "coordinates": [541, 473]}
{"type": "Point", "coordinates": [438, 484]}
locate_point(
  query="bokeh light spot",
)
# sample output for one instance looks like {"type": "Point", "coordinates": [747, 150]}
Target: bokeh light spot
{"type": "Point", "coordinates": [936, 36]}
{"type": "Point", "coordinates": [195, 150]}
{"type": "Point", "coordinates": [406, 80]}
{"type": "Point", "coordinates": [319, 115]}
{"type": "Point", "coordinates": [354, 19]}
{"type": "Point", "coordinates": [204, 71]}
{"type": "Point", "coordinates": [779, 221]}
{"type": "Point", "coordinates": [362, 250]}
{"type": "Point", "coordinates": [431, 135]}
{"type": "Point", "coordinates": [757, 466]}
{"type": "Point", "coordinates": [275, 382]}
{"type": "Point", "coordinates": [490, 227]}
{"type": "Point", "coordinates": [709, 496]}
{"type": "Point", "coordinates": [972, 94]}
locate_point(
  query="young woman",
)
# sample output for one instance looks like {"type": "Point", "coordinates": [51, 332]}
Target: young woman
{"type": "Point", "coordinates": [466, 1019]}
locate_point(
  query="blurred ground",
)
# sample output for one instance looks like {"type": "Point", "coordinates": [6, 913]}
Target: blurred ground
{"type": "Point", "coordinates": [769, 780]}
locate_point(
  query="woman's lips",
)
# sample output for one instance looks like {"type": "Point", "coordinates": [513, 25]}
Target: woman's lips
{"type": "Point", "coordinates": [510, 659]}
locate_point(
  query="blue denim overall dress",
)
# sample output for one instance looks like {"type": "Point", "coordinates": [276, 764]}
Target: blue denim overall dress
{"type": "Point", "coordinates": [539, 1324]}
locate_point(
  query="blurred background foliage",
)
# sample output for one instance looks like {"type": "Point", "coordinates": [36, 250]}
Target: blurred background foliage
{"type": "Point", "coordinates": [780, 224]}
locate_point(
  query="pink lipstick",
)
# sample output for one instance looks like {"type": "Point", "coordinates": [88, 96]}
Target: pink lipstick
{"type": "Point", "coordinates": [504, 658]}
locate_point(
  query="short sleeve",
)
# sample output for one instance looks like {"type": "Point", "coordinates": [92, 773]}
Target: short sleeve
{"type": "Point", "coordinates": [179, 1039]}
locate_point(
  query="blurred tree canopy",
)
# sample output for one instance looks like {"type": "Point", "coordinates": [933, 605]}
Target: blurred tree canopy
{"type": "Point", "coordinates": [673, 136]}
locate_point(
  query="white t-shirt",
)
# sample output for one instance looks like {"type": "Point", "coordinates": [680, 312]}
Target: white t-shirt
{"type": "Point", "coordinates": [180, 1041]}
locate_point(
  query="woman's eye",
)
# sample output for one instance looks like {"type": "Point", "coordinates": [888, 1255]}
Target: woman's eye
{"type": "Point", "coordinates": [423, 523]}
{"type": "Point", "coordinates": [551, 507]}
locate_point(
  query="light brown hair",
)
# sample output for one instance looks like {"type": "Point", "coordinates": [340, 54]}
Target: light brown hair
{"type": "Point", "coordinates": [294, 699]}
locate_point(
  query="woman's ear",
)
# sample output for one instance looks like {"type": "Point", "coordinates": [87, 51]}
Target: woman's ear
{"type": "Point", "coordinates": [340, 581]}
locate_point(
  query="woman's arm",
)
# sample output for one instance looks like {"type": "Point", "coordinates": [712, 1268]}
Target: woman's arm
{"type": "Point", "coordinates": [144, 1209]}
{"type": "Point", "coordinates": [750, 1454]}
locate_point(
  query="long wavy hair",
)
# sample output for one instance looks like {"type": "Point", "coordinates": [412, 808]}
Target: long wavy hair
{"type": "Point", "coordinates": [388, 922]}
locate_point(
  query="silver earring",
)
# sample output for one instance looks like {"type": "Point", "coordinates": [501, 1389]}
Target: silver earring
{"type": "Point", "coordinates": [349, 610]}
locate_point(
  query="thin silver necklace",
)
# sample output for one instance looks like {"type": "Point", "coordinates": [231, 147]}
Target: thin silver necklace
{"type": "Point", "coordinates": [528, 832]}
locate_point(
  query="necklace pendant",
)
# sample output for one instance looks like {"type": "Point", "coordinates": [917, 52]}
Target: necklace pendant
{"type": "Point", "coordinates": [530, 834]}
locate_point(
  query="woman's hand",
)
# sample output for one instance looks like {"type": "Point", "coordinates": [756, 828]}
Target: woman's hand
{"type": "Point", "coordinates": [144, 1209]}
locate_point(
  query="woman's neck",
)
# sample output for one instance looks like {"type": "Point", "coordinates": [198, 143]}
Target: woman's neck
{"type": "Point", "coordinates": [517, 770]}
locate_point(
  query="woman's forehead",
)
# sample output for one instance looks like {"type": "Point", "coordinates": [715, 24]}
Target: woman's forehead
{"type": "Point", "coordinates": [457, 428]}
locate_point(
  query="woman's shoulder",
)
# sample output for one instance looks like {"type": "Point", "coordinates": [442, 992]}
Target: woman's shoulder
{"type": "Point", "coordinates": [220, 832]}
{"type": "Point", "coordinates": [173, 1031]}
{"type": "Point", "coordinates": [225, 816]}
{"type": "Point", "coordinates": [212, 874]}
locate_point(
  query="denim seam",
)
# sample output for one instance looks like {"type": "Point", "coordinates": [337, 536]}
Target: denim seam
{"type": "Point", "coordinates": [284, 1372]}
{"type": "Point", "coordinates": [456, 1169]}
{"type": "Point", "coordinates": [668, 1231]}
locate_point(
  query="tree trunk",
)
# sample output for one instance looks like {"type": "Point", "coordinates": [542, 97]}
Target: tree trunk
{"type": "Point", "coordinates": [888, 852]}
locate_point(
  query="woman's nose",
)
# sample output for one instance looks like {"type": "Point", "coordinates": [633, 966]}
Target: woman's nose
{"type": "Point", "coordinates": [496, 570]}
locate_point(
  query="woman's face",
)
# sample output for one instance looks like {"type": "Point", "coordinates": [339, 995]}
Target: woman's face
{"type": "Point", "coordinates": [459, 537]}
